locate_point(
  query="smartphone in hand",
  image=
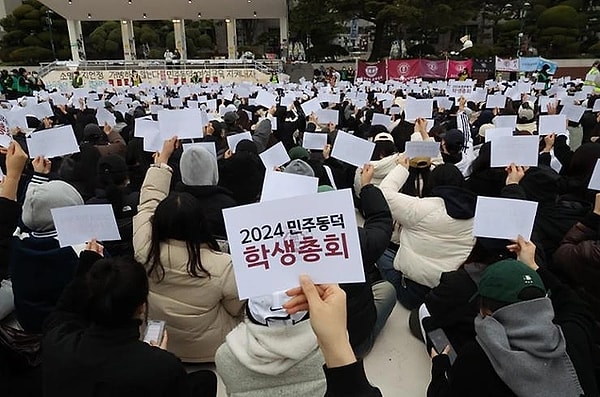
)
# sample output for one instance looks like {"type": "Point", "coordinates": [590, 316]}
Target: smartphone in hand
{"type": "Point", "coordinates": [154, 331]}
{"type": "Point", "coordinates": [439, 340]}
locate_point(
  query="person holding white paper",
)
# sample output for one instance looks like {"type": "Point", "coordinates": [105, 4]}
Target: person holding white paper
{"type": "Point", "coordinates": [242, 172]}
{"type": "Point", "coordinates": [192, 285]}
{"type": "Point", "coordinates": [200, 177]}
{"type": "Point", "coordinates": [113, 187]}
{"type": "Point", "coordinates": [271, 353]}
{"type": "Point", "coordinates": [92, 338]}
{"type": "Point", "coordinates": [39, 268]}
{"type": "Point", "coordinates": [514, 295]}
{"type": "Point", "coordinates": [436, 233]}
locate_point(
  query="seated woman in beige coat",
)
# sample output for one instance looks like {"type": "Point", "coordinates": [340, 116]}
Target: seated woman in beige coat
{"type": "Point", "coordinates": [192, 285]}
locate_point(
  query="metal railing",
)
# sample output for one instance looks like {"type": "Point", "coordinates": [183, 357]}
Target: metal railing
{"type": "Point", "coordinates": [267, 66]}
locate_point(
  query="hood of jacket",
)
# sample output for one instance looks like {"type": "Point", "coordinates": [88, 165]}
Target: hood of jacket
{"type": "Point", "coordinates": [201, 192]}
{"type": "Point", "coordinates": [271, 350]}
{"type": "Point", "coordinates": [460, 203]}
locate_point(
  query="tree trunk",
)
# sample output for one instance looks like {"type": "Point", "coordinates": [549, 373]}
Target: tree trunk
{"type": "Point", "coordinates": [379, 47]}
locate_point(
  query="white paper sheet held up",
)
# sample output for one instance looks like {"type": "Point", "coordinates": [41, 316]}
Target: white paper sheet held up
{"type": "Point", "coordinates": [104, 116]}
{"type": "Point", "coordinates": [280, 185]}
{"type": "Point", "coordinates": [274, 156]}
{"type": "Point", "coordinates": [521, 150]}
{"type": "Point", "coordinates": [595, 180]}
{"type": "Point", "coordinates": [79, 224]}
{"type": "Point", "coordinates": [233, 140]}
{"type": "Point", "coordinates": [185, 123]}
{"type": "Point", "coordinates": [352, 150]}
{"type": "Point", "coordinates": [495, 133]}
{"type": "Point", "coordinates": [416, 149]}
{"type": "Point", "coordinates": [420, 108]}
{"type": "Point", "coordinates": [495, 101]}
{"type": "Point", "coordinates": [272, 225]}
{"type": "Point", "coordinates": [381, 119]}
{"type": "Point", "coordinates": [505, 121]}
{"type": "Point", "coordinates": [266, 99]}
{"type": "Point", "coordinates": [552, 124]}
{"type": "Point", "coordinates": [504, 218]}
{"type": "Point", "coordinates": [53, 142]}
{"type": "Point", "coordinates": [314, 140]}
{"type": "Point", "coordinates": [327, 116]}
{"type": "Point", "coordinates": [312, 106]}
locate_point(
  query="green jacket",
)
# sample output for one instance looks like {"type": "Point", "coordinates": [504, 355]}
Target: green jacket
{"type": "Point", "coordinates": [77, 82]}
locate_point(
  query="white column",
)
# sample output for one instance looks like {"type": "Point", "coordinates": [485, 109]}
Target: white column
{"type": "Point", "coordinates": [180, 43]}
{"type": "Point", "coordinates": [283, 29]}
{"type": "Point", "coordinates": [76, 40]}
{"type": "Point", "coordinates": [283, 38]}
{"type": "Point", "coordinates": [231, 38]}
{"type": "Point", "coordinates": [128, 38]}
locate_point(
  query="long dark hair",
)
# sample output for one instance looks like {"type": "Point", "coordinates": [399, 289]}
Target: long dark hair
{"type": "Point", "coordinates": [180, 217]}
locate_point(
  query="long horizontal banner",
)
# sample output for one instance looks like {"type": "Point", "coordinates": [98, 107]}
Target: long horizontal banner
{"type": "Point", "coordinates": [524, 64]}
{"type": "Point", "coordinates": [411, 69]}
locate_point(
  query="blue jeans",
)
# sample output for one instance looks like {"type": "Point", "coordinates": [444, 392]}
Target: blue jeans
{"type": "Point", "coordinates": [410, 294]}
{"type": "Point", "coordinates": [384, 295]}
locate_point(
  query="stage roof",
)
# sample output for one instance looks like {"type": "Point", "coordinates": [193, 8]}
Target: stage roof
{"type": "Point", "coordinates": [110, 10]}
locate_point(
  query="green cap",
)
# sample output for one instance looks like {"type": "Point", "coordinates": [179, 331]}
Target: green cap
{"type": "Point", "coordinates": [503, 281]}
{"type": "Point", "coordinates": [299, 153]}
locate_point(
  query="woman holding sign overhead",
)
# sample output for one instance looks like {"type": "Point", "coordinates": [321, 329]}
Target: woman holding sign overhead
{"type": "Point", "coordinates": [192, 285]}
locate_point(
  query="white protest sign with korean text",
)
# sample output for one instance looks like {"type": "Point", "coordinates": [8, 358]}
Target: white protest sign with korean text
{"type": "Point", "coordinates": [5, 135]}
{"type": "Point", "coordinates": [53, 142]}
{"type": "Point", "coordinates": [504, 218]}
{"type": "Point", "coordinates": [81, 223]}
{"type": "Point", "coordinates": [274, 242]}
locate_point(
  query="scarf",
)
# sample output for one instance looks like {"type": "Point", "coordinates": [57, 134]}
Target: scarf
{"type": "Point", "coordinates": [528, 351]}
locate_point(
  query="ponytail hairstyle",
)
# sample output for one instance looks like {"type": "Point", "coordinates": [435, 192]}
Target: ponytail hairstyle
{"type": "Point", "coordinates": [117, 287]}
{"type": "Point", "coordinates": [180, 217]}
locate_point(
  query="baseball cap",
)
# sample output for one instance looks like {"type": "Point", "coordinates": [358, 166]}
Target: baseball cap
{"type": "Point", "coordinates": [505, 280]}
{"type": "Point", "coordinates": [383, 136]}
{"type": "Point", "coordinates": [454, 138]}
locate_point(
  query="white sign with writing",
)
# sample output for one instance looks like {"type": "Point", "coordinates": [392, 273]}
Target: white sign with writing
{"type": "Point", "coordinates": [274, 242]}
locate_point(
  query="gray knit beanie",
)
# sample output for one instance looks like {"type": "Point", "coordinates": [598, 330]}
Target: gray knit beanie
{"type": "Point", "coordinates": [299, 167]}
{"type": "Point", "coordinates": [198, 167]}
{"type": "Point", "coordinates": [40, 199]}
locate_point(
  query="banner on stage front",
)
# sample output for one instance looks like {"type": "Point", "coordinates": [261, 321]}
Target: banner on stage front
{"type": "Point", "coordinates": [372, 71]}
{"type": "Point", "coordinates": [404, 69]}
